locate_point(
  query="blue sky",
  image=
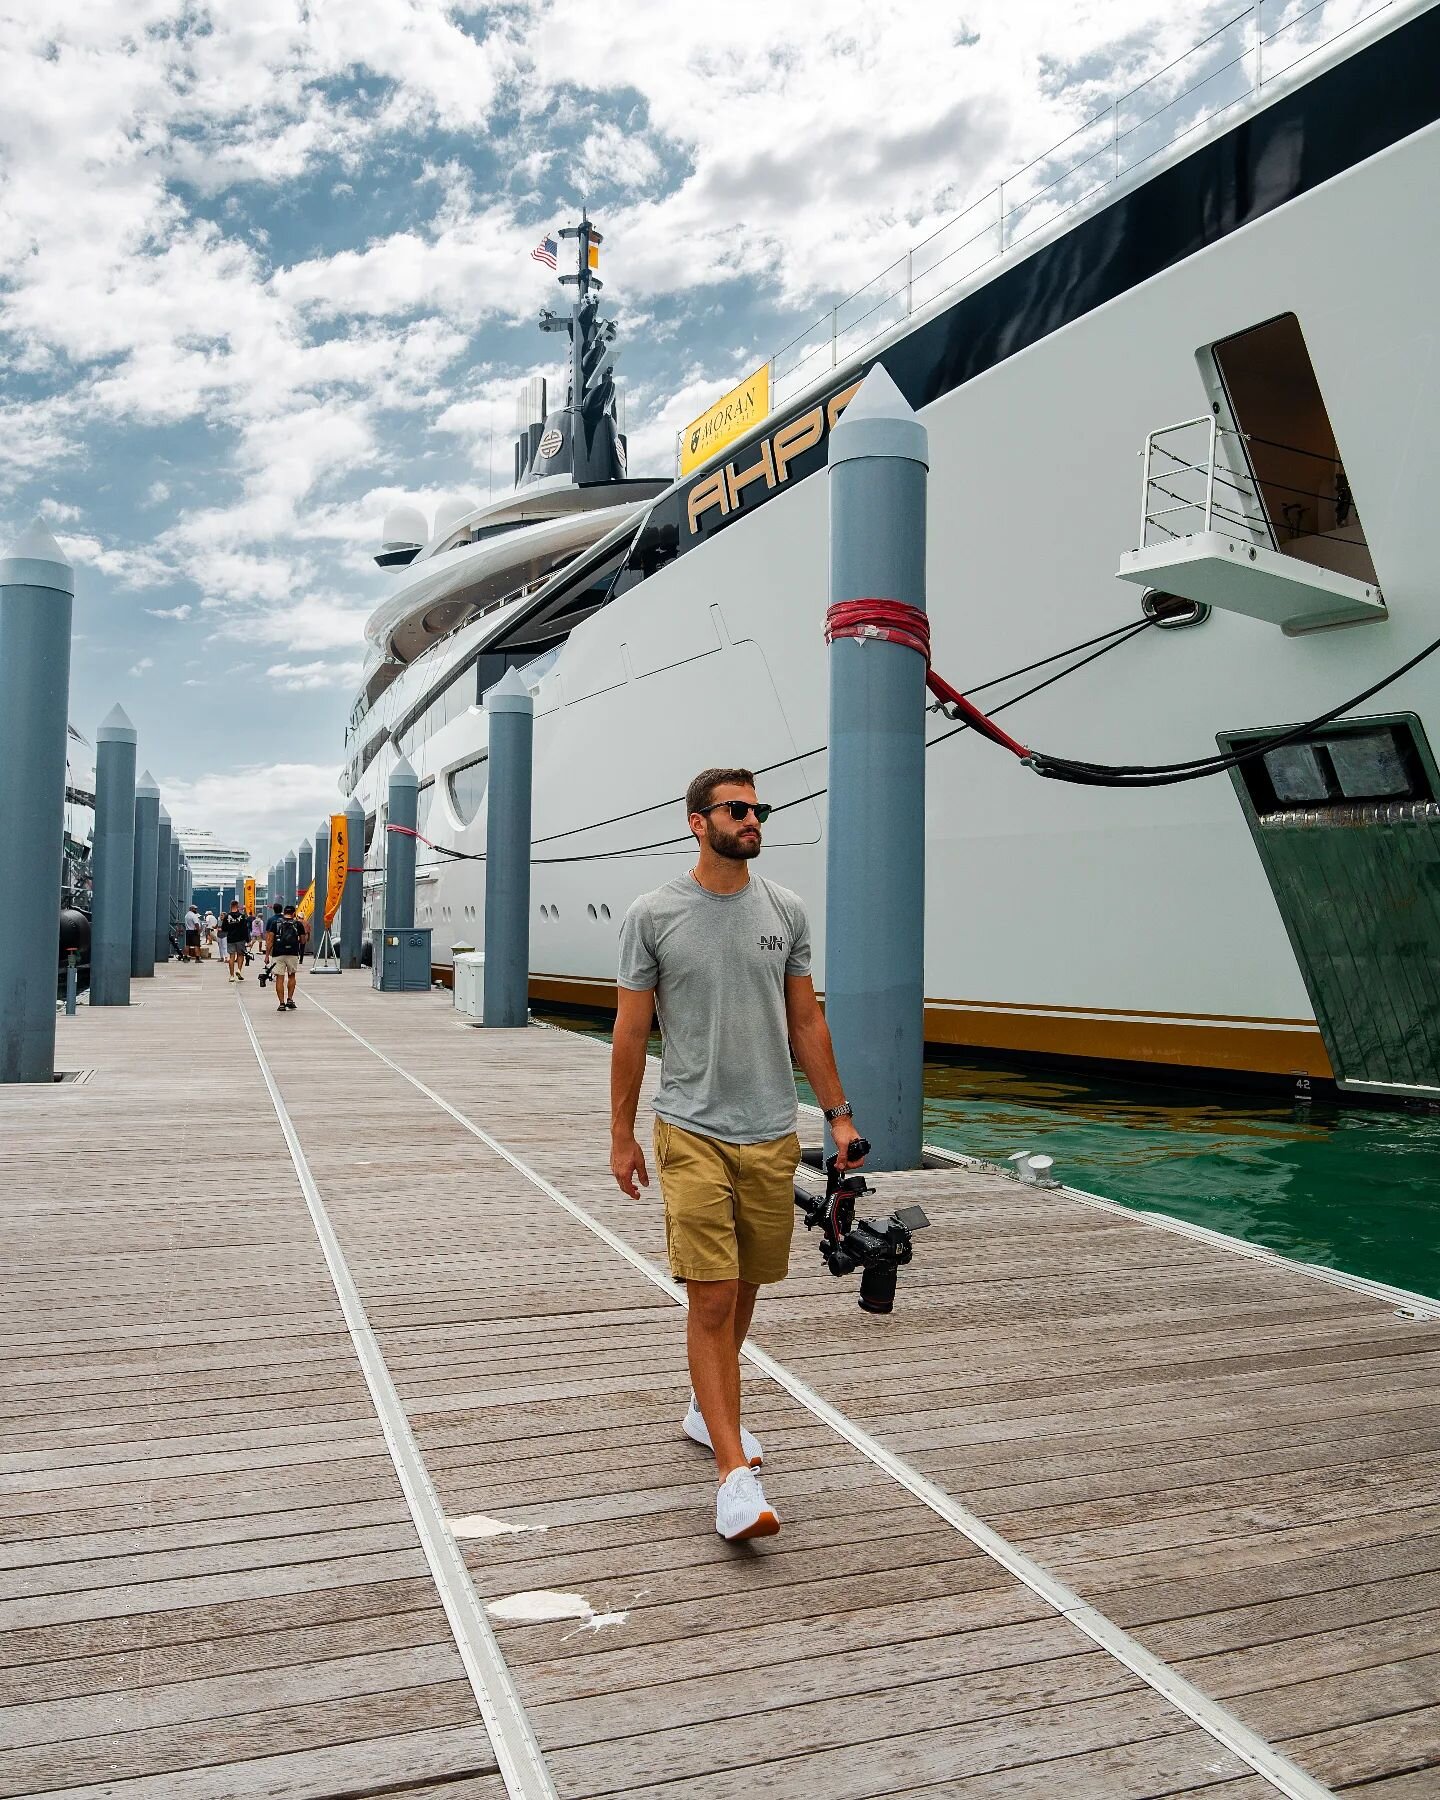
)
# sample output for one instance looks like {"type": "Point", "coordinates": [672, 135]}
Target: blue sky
{"type": "Point", "coordinates": [266, 273]}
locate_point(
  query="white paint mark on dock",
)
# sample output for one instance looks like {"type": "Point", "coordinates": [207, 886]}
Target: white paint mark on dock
{"type": "Point", "coordinates": [541, 1606]}
{"type": "Point", "coordinates": [476, 1525]}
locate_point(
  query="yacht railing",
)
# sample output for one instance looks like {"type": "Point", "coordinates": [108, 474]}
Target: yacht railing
{"type": "Point", "coordinates": [1255, 53]}
{"type": "Point", "coordinates": [1190, 485]}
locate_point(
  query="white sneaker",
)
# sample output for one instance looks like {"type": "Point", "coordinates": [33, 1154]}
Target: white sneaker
{"type": "Point", "coordinates": [695, 1428]}
{"type": "Point", "coordinates": [741, 1509]}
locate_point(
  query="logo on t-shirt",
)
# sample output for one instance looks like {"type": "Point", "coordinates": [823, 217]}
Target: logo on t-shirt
{"type": "Point", "coordinates": [772, 943]}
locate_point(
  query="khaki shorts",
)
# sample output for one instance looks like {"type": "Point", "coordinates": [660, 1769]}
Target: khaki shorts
{"type": "Point", "coordinates": [288, 965]}
{"type": "Point", "coordinates": [729, 1208]}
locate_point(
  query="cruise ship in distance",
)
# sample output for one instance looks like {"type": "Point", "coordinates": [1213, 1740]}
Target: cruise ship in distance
{"type": "Point", "coordinates": [1180, 384]}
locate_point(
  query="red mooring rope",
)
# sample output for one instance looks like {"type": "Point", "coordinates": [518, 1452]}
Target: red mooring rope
{"type": "Point", "coordinates": [895, 622]}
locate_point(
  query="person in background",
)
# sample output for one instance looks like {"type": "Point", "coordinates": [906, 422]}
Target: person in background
{"type": "Point", "coordinates": [192, 934]}
{"type": "Point", "coordinates": [284, 941]}
{"type": "Point", "coordinates": [237, 935]}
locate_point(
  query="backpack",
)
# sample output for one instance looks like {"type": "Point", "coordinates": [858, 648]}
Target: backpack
{"type": "Point", "coordinates": [287, 937]}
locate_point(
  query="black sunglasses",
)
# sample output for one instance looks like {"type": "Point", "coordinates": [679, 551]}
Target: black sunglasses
{"type": "Point", "coordinates": [741, 809]}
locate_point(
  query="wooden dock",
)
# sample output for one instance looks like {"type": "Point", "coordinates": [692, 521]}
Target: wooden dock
{"type": "Point", "coordinates": [1103, 1511]}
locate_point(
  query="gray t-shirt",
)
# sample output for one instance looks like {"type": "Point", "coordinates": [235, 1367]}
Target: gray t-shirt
{"type": "Point", "coordinates": [718, 963]}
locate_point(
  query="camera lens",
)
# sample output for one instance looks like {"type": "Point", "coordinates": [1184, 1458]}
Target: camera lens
{"type": "Point", "coordinates": [877, 1289]}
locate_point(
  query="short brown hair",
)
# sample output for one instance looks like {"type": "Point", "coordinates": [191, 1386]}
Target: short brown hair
{"type": "Point", "coordinates": [700, 790]}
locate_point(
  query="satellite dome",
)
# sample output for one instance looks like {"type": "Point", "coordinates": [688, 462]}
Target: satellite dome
{"type": "Point", "coordinates": [450, 512]}
{"type": "Point", "coordinates": [404, 529]}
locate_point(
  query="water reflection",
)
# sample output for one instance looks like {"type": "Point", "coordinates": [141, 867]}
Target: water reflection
{"type": "Point", "coordinates": [1354, 1190]}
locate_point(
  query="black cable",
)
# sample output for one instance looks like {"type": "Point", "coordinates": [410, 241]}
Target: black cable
{"type": "Point", "coordinates": [1171, 774]}
{"type": "Point", "coordinates": [1116, 636]}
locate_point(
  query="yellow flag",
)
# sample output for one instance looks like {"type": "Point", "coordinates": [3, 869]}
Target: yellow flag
{"type": "Point", "coordinates": [594, 256]}
{"type": "Point", "coordinates": [306, 906]}
{"type": "Point", "coordinates": [249, 901]}
{"type": "Point", "coordinates": [339, 863]}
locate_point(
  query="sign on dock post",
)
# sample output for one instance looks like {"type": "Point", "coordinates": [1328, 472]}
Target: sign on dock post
{"type": "Point", "coordinates": [142, 890]}
{"type": "Point", "coordinates": [352, 901]}
{"type": "Point", "coordinates": [37, 596]}
{"type": "Point", "coordinates": [403, 802]}
{"type": "Point", "coordinates": [875, 838]}
{"type": "Point", "coordinates": [510, 707]}
{"type": "Point", "coordinates": [113, 861]}
{"type": "Point", "coordinates": [162, 886]}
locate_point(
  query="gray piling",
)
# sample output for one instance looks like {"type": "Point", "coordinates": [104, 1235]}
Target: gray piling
{"type": "Point", "coordinates": [113, 861]}
{"type": "Point", "coordinates": [175, 913]}
{"type": "Point", "coordinates": [353, 901]}
{"type": "Point", "coordinates": [162, 886]}
{"type": "Point", "coordinates": [142, 891]}
{"type": "Point", "coordinates": [402, 802]}
{"type": "Point", "coordinates": [304, 870]}
{"type": "Point", "coordinates": [37, 590]}
{"type": "Point", "coordinates": [510, 707]}
{"type": "Point", "coordinates": [287, 878]}
{"type": "Point", "coordinates": [875, 838]}
{"type": "Point", "coordinates": [322, 886]}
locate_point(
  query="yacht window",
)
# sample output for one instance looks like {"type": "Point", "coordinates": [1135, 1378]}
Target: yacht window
{"type": "Point", "coordinates": [1297, 480]}
{"type": "Point", "coordinates": [423, 803]}
{"type": "Point", "coordinates": [467, 788]}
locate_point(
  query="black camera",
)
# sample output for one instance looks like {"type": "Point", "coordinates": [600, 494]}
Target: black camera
{"type": "Point", "coordinates": [877, 1246]}
{"type": "Point", "coordinates": [266, 973]}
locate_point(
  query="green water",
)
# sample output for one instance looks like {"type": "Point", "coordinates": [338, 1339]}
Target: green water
{"type": "Point", "coordinates": [1352, 1189]}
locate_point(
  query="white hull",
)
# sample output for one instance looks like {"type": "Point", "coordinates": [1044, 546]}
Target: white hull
{"type": "Point", "coordinates": [1135, 925]}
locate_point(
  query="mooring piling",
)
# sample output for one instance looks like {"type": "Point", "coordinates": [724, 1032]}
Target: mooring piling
{"type": "Point", "coordinates": [402, 805]}
{"type": "Point", "coordinates": [510, 707]}
{"type": "Point", "coordinates": [113, 861]}
{"type": "Point", "coordinates": [287, 878]}
{"type": "Point", "coordinates": [353, 900]}
{"type": "Point", "coordinates": [162, 884]}
{"type": "Point", "coordinates": [142, 892]}
{"type": "Point", "coordinates": [37, 595]}
{"type": "Point", "coordinates": [322, 885]}
{"type": "Point", "coordinates": [875, 841]}
{"type": "Point", "coordinates": [304, 869]}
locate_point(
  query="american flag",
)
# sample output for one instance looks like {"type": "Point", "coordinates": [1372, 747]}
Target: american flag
{"type": "Point", "coordinates": [545, 251]}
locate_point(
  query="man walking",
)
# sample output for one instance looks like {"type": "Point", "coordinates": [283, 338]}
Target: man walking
{"type": "Point", "coordinates": [192, 933]}
{"type": "Point", "coordinates": [283, 942]}
{"type": "Point", "coordinates": [236, 926]}
{"type": "Point", "coordinates": [726, 956]}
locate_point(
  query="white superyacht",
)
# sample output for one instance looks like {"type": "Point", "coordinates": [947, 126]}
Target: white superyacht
{"type": "Point", "coordinates": [1182, 386]}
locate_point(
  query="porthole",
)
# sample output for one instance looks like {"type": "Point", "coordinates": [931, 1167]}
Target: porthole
{"type": "Point", "coordinates": [604, 910]}
{"type": "Point", "coordinates": [544, 912]}
{"type": "Point", "coordinates": [554, 912]}
{"type": "Point", "coordinates": [1172, 612]}
{"type": "Point", "coordinates": [591, 910]}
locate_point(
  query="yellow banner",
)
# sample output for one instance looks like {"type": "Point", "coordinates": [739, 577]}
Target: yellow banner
{"type": "Point", "coordinates": [248, 903]}
{"type": "Point", "coordinates": [339, 862]}
{"type": "Point", "coordinates": [732, 414]}
{"type": "Point", "coordinates": [305, 907]}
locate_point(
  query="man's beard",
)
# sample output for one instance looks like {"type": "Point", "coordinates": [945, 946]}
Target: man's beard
{"type": "Point", "coordinates": [735, 848]}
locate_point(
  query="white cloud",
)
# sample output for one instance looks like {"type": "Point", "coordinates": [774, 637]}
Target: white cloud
{"type": "Point", "coordinates": [169, 612]}
{"type": "Point", "coordinates": [299, 677]}
{"type": "Point", "coordinates": [263, 808]}
{"type": "Point", "coordinates": [145, 662]}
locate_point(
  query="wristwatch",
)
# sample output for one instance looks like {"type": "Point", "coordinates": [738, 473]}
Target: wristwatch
{"type": "Point", "coordinates": [843, 1111]}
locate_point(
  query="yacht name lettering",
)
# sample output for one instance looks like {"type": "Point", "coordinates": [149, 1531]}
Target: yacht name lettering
{"type": "Point", "coordinates": [771, 467]}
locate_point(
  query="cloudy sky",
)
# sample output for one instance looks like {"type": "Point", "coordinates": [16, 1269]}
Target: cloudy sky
{"type": "Point", "coordinates": [266, 272]}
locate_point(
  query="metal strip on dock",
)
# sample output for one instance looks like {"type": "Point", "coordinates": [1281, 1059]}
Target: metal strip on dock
{"type": "Point", "coordinates": [1285, 1776]}
{"type": "Point", "coordinates": [522, 1766]}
